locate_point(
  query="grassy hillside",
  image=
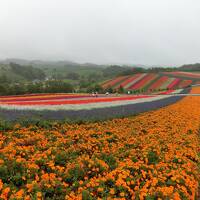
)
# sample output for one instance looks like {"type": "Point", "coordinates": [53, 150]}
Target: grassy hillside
{"type": "Point", "coordinates": [17, 73]}
{"type": "Point", "coordinates": [152, 81]}
{"type": "Point", "coordinates": [5, 70]}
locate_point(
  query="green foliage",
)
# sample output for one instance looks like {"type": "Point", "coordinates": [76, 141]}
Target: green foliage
{"type": "Point", "coordinates": [110, 160]}
{"type": "Point", "coordinates": [152, 157]}
{"type": "Point", "coordinates": [12, 172]}
{"type": "Point", "coordinates": [86, 195]}
{"type": "Point", "coordinates": [191, 67]}
{"type": "Point", "coordinates": [61, 158]}
{"type": "Point", "coordinates": [73, 76]}
{"type": "Point", "coordinates": [75, 174]}
{"type": "Point", "coordinates": [5, 125]}
{"type": "Point", "coordinates": [27, 72]}
{"type": "Point", "coordinates": [115, 70]}
{"type": "Point", "coordinates": [58, 86]}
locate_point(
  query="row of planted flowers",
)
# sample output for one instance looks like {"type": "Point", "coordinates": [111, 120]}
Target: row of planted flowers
{"type": "Point", "coordinates": [74, 102]}
{"type": "Point", "coordinates": [152, 156]}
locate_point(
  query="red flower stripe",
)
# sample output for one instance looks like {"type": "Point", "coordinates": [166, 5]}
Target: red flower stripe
{"type": "Point", "coordinates": [166, 83]}
{"type": "Point", "coordinates": [112, 82]}
{"type": "Point", "coordinates": [129, 80]}
{"type": "Point", "coordinates": [83, 101]}
{"type": "Point", "coordinates": [158, 83]}
{"type": "Point", "coordinates": [135, 81]}
{"type": "Point", "coordinates": [143, 82]}
{"type": "Point", "coordinates": [173, 83]}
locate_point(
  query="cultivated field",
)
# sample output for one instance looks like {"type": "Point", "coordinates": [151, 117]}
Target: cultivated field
{"type": "Point", "coordinates": [83, 106]}
{"type": "Point", "coordinates": [149, 82]}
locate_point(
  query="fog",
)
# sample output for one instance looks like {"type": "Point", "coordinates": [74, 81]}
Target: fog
{"type": "Point", "coordinates": [150, 32]}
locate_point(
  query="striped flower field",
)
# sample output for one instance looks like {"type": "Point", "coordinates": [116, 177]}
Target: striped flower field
{"type": "Point", "coordinates": [82, 106]}
{"type": "Point", "coordinates": [75, 101]}
{"type": "Point", "coordinates": [148, 82]}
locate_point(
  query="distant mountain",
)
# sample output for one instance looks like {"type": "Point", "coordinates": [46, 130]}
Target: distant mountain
{"type": "Point", "coordinates": [15, 60]}
{"type": "Point", "coordinates": [37, 62]}
{"type": "Point", "coordinates": [40, 63]}
{"type": "Point", "coordinates": [61, 63]}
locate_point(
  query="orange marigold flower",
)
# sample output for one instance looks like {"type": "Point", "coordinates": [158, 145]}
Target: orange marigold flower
{"type": "Point", "coordinates": [20, 194]}
{"type": "Point", "coordinates": [39, 195]}
{"type": "Point", "coordinates": [1, 184]}
{"type": "Point", "coordinates": [100, 189]}
{"type": "Point", "coordinates": [112, 191]}
{"type": "Point", "coordinates": [122, 194]}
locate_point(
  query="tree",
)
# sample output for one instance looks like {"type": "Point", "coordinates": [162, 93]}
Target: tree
{"type": "Point", "coordinates": [95, 88]}
{"type": "Point", "coordinates": [73, 76]}
{"type": "Point", "coordinates": [2, 90]}
{"type": "Point", "coordinates": [3, 79]}
{"type": "Point", "coordinates": [121, 89]}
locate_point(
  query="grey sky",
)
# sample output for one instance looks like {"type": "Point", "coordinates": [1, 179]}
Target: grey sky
{"type": "Point", "coordinates": [161, 32]}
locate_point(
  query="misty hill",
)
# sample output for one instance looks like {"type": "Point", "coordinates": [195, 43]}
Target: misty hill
{"type": "Point", "coordinates": [58, 68]}
{"type": "Point", "coordinates": [36, 62]}
{"type": "Point", "coordinates": [43, 63]}
{"type": "Point", "coordinates": [62, 69]}
{"type": "Point", "coordinates": [191, 67]}
{"type": "Point", "coordinates": [15, 72]}
{"type": "Point", "coordinates": [38, 69]}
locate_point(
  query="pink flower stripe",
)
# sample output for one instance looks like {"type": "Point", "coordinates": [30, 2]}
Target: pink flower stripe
{"type": "Point", "coordinates": [83, 101]}
{"type": "Point", "coordinates": [143, 82]}
{"type": "Point", "coordinates": [113, 82]}
{"type": "Point", "coordinates": [173, 83]}
{"type": "Point", "coordinates": [159, 82]}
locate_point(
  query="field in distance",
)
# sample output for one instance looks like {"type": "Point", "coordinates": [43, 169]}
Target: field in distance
{"type": "Point", "coordinates": [149, 82]}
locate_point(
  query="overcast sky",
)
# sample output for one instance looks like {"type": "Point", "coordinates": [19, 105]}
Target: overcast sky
{"type": "Point", "coordinates": [160, 32]}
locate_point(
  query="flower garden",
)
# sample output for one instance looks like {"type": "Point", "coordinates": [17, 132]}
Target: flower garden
{"type": "Point", "coordinates": [46, 101]}
{"type": "Point", "coordinates": [154, 155]}
{"type": "Point", "coordinates": [81, 106]}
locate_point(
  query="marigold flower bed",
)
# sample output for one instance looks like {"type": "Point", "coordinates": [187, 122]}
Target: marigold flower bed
{"type": "Point", "coordinates": [154, 155]}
